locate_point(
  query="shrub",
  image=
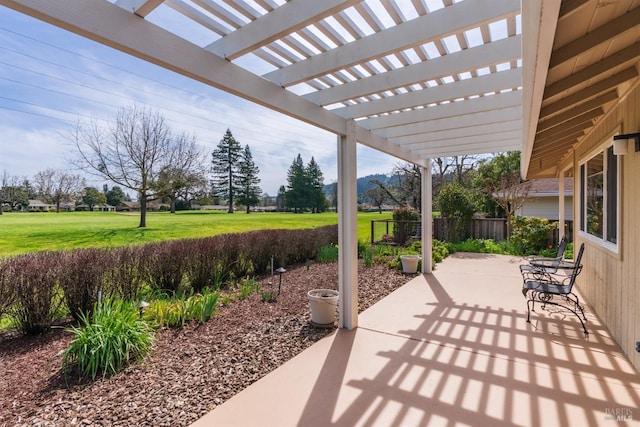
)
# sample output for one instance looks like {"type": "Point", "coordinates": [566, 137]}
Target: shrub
{"type": "Point", "coordinates": [166, 264]}
{"type": "Point", "coordinates": [7, 294]}
{"type": "Point", "coordinates": [38, 299]}
{"type": "Point", "coordinates": [456, 205]}
{"type": "Point", "coordinates": [328, 253]}
{"type": "Point", "coordinates": [439, 251]}
{"type": "Point", "coordinates": [127, 272]}
{"type": "Point", "coordinates": [530, 235]}
{"type": "Point", "coordinates": [83, 271]}
{"type": "Point", "coordinates": [406, 227]}
{"type": "Point", "coordinates": [107, 341]}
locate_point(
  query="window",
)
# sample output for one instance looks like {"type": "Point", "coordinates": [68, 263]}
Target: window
{"type": "Point", "coordinates": [599, 201]}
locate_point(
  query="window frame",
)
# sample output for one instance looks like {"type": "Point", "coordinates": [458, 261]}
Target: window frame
{"type": "Point", "coordinates": [602, 150]}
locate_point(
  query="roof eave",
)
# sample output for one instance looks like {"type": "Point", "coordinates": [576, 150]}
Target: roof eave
{"type": "Point", "coordinates": [539, 22]}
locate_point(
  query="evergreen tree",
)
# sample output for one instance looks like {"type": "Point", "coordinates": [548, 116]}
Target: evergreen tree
{"type": "Point", "coordinates": [248, 188]}
{"type": "Point", "coordinates": [315, 182]}
{"type": "Point", "coordinates": [225, 160]}
{"type": "Point", "coordinates": [115, 196]}
{"type": "Point", "coordinates": [92, 196]}
{"type": "Point", "coordinates": [296, 197]}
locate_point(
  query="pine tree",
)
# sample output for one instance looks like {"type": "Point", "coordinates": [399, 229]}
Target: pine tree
{"type": "Point", "coordinates": [296, 195]}
{"type": "Point", "coordinates": [315, 182]}
{"type": "Point", "coordinates": [225, 160]}
{"type": "Point", "coordinates": [248, 188]}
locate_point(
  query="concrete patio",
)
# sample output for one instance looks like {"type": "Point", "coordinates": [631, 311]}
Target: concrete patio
{"type": "Point", "coordinates": [451, 348]}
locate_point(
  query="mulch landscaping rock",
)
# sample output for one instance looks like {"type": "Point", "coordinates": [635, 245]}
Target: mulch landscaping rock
{"type": "Point", "coordinates": [189, 371]}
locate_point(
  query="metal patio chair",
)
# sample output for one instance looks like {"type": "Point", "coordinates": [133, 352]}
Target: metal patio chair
{"type": "Point", "coordinates": [545, 264]}
{"type": "Point", "coordinates": [555, 289]}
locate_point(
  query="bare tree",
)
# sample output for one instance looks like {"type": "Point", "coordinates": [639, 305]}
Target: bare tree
{"type": "Point", "coordinates": [14, 191]}
{"type": "Point", "coordinates": [377, 196]}
{"type": "Point", "coordinates": [464, 164]}
{"type": "Point", "coordinates": [510, 193]}
{"type": "Point", "coordinates": [440, 168]}
{"type": "Point", "coordinates": [132, 152]}
{"type": "Point", "coordinates": [57, 186]}
{"type": "Point", "coordinates": [409, 182]}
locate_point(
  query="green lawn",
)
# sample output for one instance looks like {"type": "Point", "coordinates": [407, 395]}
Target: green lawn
{"type": "Point", "coordinates": [30, 232]}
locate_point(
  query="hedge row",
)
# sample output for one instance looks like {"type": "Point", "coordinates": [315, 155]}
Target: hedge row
{"type": "Point", "coordinates": [37, 289]}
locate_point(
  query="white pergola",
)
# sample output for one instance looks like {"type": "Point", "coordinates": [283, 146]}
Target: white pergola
{"type": "Point", "coordinates": [416, 79]}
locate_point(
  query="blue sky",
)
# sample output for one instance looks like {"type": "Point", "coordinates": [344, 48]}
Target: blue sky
{"type": "Point", "coordinates": [51, 79]}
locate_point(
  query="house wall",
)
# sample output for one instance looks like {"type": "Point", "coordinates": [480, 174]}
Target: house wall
{"type": "Point", "coordinates": [611, 281]}
{"type": "Point", "coordinates": [547, 207]}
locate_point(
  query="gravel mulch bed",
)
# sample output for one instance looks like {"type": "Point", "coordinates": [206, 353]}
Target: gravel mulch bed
{"type": "Point", "coordinates": [189, 372]}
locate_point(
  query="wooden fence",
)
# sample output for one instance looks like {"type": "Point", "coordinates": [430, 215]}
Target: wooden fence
{"type": "Point", "coordinates": [391, 231]}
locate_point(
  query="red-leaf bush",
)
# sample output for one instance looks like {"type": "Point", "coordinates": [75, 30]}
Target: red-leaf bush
{"type": "Point", "coordinates": [38, 283]}
{"type": "Point", "coordinates": [81, 277]}
{"type": "Point", "coordinates": [7, 294]}
{"type": "Point", "coordinates": [165, 264]}
{"type": "Point", "coordinates": [127, 273]}
{"type": "Point", "coordinates": [38, 300]}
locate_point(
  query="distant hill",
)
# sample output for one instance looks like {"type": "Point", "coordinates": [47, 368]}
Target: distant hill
{"type": "Point", "coordinates": [364, 183]}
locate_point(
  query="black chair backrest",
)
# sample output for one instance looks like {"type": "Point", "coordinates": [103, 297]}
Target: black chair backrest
{"type": "Point", "coordinates": [577, 268]}
{"type": "Point", "coordinates": [561, 247]}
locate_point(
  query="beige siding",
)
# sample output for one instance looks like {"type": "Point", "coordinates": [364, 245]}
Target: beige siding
{"type": "Point", "coordinates": [611, 282]}
{"type": "Point", "coordinates": [547, 207]}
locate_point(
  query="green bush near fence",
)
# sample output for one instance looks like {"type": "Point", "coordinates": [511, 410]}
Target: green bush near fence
{"type": "Point", "coordinates": [530, 235]}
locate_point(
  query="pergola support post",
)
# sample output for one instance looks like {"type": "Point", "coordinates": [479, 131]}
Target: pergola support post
{"type": "Point", "coordinates": [347, 228]}
{"type": "Point", "coordinates": [427, 221]}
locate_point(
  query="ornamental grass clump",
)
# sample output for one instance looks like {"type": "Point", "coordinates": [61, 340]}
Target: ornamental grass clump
{"type": "Point", "coordinates": [179, 309]}
{"type": "Point", "coordinates": [107, 341]}
{"type": "Point", "coordinates": [328, 253]}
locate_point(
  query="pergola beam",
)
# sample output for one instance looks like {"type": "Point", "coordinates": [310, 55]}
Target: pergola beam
{"type": "Point", "coordinates": [112, 26]}
{"type": "Point", "coordinates": [493, 82]}
{"type": "Point", "coordinates": [495, 147]}
{"type": "Point", "coordinates": [501, 51]}
{"type": "Point", "coordinates": [481, 104]}
{"type": "Point", "coordinates": [438, 24]}
{"type": "Point", "coordinates": [466, 121]}
{"type": "Point", "coordinates": [477, 140]}
{"type": "Point", "coordinates": [480, 131]}
{"type": "Point", "coordinates": [282, 21]}
{"type": "Point", "coordinates": [140, 7]}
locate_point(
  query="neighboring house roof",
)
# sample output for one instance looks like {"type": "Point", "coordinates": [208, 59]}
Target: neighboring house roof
{"type": "Point", "coordinates": [549, 187]}
{"type": "Point", "coordinates": [38, 204]}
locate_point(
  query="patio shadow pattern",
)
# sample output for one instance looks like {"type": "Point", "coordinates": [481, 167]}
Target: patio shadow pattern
{"type": "Point", "coordinates": [451, 348]}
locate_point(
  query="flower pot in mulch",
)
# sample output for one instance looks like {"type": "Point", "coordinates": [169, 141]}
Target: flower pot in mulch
{"type": "Point", "coordinates": [324, 305]}
{"type": "Point", "coordinates": [410, 263]}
